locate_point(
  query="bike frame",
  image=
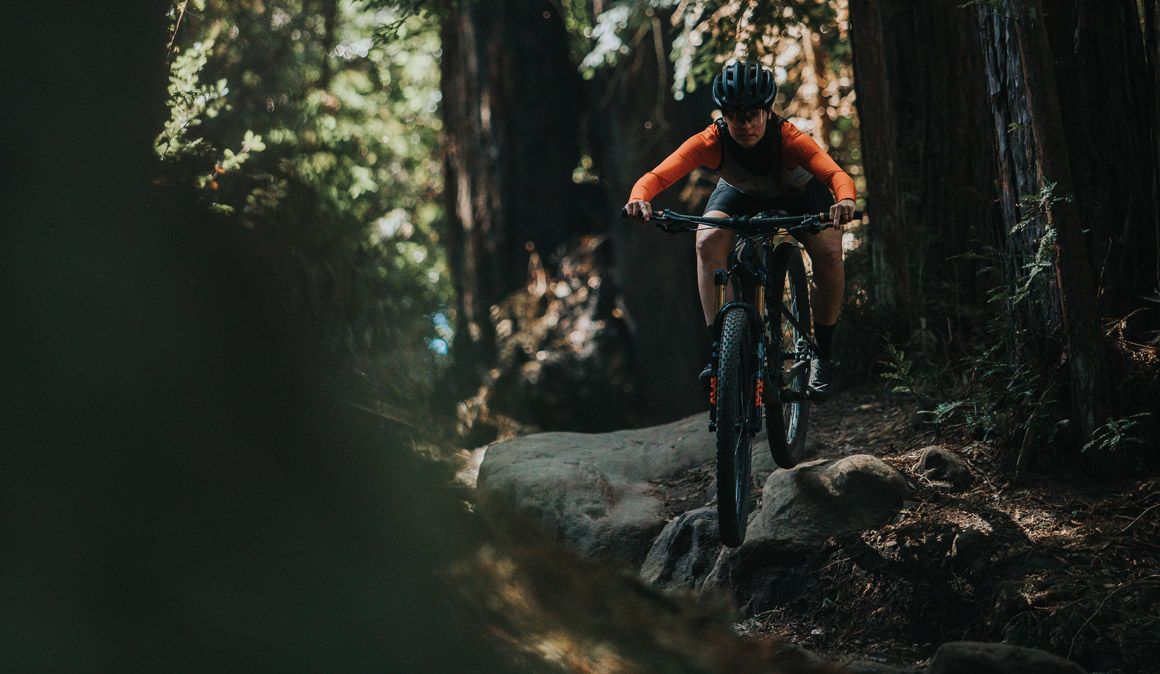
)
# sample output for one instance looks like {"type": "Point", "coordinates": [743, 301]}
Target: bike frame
{"type": "Point", "coordinates": [748, 272]}
{"type": "Point", "coordinates": [741, 338]}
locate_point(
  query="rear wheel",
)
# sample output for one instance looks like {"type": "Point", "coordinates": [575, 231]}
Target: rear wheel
{"type": "Point", "coordinates": [787, 356]}
{"type": "Point", "coordinates": [735, 407]}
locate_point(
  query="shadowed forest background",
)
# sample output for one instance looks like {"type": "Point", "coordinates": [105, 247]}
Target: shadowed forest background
{"type": "Point", "coordinates": [270, 266]}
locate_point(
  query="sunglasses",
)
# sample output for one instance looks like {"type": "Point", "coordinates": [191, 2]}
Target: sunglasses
{"type": "Point", "coordinates": [739, 117]}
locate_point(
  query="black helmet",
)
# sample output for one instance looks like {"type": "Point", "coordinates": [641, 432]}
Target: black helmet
{"type": "Point", "coordinates": [744, 87]}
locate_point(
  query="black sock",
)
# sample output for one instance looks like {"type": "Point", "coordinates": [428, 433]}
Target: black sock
{"type": "Point", "coordinates": [824, 335]}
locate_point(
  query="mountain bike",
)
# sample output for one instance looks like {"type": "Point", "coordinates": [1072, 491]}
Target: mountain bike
{"type": "Point", "coordinates": [763, 345]}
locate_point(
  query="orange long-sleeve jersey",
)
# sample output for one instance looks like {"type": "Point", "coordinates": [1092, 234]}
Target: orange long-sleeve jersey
{"type": "Point", "coordinates": [706, 149]}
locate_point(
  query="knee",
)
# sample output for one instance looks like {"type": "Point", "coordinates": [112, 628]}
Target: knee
{"type": "Point", "coordinates": [829, 254]}
{"type": "Point", "coordinates": [713, 243]}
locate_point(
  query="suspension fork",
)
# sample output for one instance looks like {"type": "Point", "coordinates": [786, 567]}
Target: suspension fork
{"type": "Point", "coordinates": [759, 338]}
{"type": "Point", "coordinates": [758, 371]}
{"type": "Point", "coordinates": [720, 281]}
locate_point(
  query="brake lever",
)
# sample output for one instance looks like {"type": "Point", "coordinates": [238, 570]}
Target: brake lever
{"type": "Point", "coordinates": [813, 225]}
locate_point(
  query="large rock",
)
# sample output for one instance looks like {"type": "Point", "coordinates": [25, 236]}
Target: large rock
{"type": "Point", "coordinates": [803, 506]}
{"type": "Point", "coordinates": [871, 667]}
{"type": "Point", "coordinates": [970, 657]}
{"type": "Point", "coordinates": [761, 462]}
{"type": "Point", "coordinates": [942, 465]}
{"type": "Point", "coordinates": [800, 509]}
{"type": "Point", "coordinates": [594, 491]}
{"type": "Point", "coordinates": [687, 548]}
{"type": "Point", "coordinates": [684, 553]}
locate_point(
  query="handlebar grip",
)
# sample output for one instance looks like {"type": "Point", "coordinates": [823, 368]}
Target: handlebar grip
{"type": "Point", "coordinates": [825, 217]}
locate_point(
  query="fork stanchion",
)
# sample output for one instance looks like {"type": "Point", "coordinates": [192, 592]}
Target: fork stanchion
{"type": "Point", "coordinates": [759, 299]}
{"type": "Point", "coordinates": [720, 280]}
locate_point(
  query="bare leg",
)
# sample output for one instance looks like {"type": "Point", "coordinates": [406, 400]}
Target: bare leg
{"type": "Point", "coordinates": [825, 249]}
{"type": "Point", "coordinates": [713, 246]}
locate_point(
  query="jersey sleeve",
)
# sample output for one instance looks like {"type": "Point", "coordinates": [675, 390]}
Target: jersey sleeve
{"type": "Point", "coordinates": [702, 149]}
{"type": "Point", "coordinates": [798, 149]}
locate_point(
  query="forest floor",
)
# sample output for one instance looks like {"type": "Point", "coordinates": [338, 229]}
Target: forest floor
{"type": "Point", "coordinates": [1055, 563]}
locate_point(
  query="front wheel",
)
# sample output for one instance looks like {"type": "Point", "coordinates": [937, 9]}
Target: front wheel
{"type": "Point", "coordinates": [788, 355]}
{"type": "Point", "coordinates": [735, 407]}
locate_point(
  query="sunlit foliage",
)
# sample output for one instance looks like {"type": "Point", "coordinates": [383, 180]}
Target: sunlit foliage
{"type": "Point", "coordinates": [805, 42]}
{"type": "Point", "coordinates": [317, 144]}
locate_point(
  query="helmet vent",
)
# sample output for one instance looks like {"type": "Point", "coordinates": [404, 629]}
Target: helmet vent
{"type": "Point", "coordinates": [743, 87]}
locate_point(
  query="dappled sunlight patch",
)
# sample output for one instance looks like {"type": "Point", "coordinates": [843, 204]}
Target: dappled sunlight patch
{"type": "Point", "coordinates": [548, 607]}
{"type": "Point", "coordinates": [534, 625]}
{"type": "Point", "coordinates": [563, 351]}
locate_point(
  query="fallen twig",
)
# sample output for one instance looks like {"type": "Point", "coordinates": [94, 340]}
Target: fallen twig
{"type": "Point", "coordinates": [1101, 606]}
{"type": "Point", "coordinates": [1139, 516]}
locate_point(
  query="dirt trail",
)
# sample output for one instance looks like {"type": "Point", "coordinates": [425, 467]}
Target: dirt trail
{"type": "Point", "coordinates": [861, 421]}
{"type": "Point", "coordinates": [1056, 564]}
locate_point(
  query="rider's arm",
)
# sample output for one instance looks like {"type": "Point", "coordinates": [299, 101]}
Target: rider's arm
{"type": "Point", "coordinates": [798, 149]}
{"type": "Point", "coordinates": [700, 150]}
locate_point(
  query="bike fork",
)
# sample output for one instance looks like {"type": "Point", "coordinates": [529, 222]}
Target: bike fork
{"type": "Point", "coordinates": [755, 415]}
{"type": "Point", "coordinates": [758, 389]}
{"type": "Point", "coordinates": [720, 281]}
{"type": "Point", "coordinates": [713, 393]}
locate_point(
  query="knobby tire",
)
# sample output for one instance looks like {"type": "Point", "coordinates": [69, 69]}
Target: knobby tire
{"type": "Point", "coordinates": [735, 405]}
{"type": "Point", "coordinates": [787, 422]}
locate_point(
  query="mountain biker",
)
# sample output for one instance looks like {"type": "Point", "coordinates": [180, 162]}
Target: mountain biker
{"type": "Point", "coordinates": [764, 163]}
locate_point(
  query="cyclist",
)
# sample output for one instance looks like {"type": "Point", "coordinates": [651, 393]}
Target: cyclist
{"type": "Point", "coordinates": [764, 163]}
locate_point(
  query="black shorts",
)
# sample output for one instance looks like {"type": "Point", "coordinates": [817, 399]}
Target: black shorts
{"type": "Point", "coordinates": [815, 198]}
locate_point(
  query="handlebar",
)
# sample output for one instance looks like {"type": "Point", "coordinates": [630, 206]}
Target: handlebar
{"type": "Point", "coordinates": [759, 223]}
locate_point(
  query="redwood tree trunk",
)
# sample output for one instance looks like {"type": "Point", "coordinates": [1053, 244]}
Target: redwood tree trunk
{"type": "Point", "coordinates": [817, 75]}
{"type": "Point", "coordinates": [1088, 366]}
{"type": "Point", "coordinates": [1021, 224]}
{"type": "Point", "coordinates": [635, 124]}
{"type": "Point", "coordinates": [1107, 101]}
{"type": "Point", "coordinates": [927, 151]}
{"type": "Point", "coordinates": [878, 115]}
{"type": "Point", "coordinates": [511, 113]}
{"type": "Point", "coordinates": [329, 11]}
{"type": "Point", "coordinates": [1152, 36]}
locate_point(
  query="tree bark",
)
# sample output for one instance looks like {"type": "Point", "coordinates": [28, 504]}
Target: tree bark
{"type": "Point", "coordinates": [816, 74]}
{"type": "Point", "coordinates": [329, 11]}
{"type": "Point", "coordinates": [1152, 39]}
{"type": "Point", "coordinates": [927, 153]}
{"type": "Point", "coordinates": [952, 160]}
{"type": "Point", "coordinates": [511, 112]}
{"type": "Point", "coordinates": [1021, 224]}
{"type": "Point", "coordinates": [635, 123]}
{"type": "Point", "coordinates": [1107, 101]}
{"type": "Point", "coordinates": [877, 113]}
{"type": "Point", "coordinates": [1088, 365]}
